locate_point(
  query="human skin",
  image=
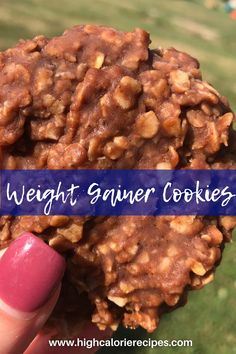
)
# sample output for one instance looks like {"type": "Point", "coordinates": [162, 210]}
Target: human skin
{"type": "Point", "coordinates": [30, 283]}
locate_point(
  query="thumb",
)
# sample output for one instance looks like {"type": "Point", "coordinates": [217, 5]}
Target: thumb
{"type": "Point", "coordinates": [30, 275]}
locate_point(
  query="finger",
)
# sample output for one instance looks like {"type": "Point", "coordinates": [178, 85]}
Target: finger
{"type": "Point", "coordinates": [30, 275]}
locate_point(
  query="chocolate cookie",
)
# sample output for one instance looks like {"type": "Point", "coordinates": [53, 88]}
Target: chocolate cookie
{"type": "Point", "coordinates": [96, 98]}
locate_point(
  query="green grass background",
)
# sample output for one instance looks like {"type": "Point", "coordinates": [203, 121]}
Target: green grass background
{"type": "Point", "coordinates": [209, 318]}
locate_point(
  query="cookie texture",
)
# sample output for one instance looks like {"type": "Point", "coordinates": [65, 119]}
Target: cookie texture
{"type": "Point", "coordinates": [97, 98]}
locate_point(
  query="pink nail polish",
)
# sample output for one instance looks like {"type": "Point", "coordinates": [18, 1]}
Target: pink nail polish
{"type": "Point", "coordinates": [29, 271]}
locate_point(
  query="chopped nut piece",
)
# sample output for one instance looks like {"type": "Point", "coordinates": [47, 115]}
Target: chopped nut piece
{"type": "Point", "coordinates": [160, 88]}
{"type": "Point", "coordinates": [172, 251]}
{"type": "Point", "coordinates": [48, 100]}
{"type": "Point", "coordinates": [104, 104]}
{"type": "Point", "coordinates": [180, 81]}
{"type": "Point", "coordinates": [223, 123]}
{"type": "Point", "coordinates": [43, 80]}
{"type": "Point", "coordinates": [164, 166]}
{"type": "Point", "coordinates": [114, 326]}
{"type": "Point", "coordinates": [5, 232]}
{"type": "Point", "coordinates": [198, 268]}
{"type": "Point", "coordinates": [206, 237]}
{"type": "Point", "coordinates": [186, 225]}
{"type": "Point", "coordinates": [172, 300]}
{"type": "Point", "coordinates": [196, 282]}
{"type": "Point", "coordinates": [164, 264]}
{"type": "Point", "coordinates": [103, 249]}
{"type": "Point", "coordinates": [99, 60]}
{"type": "Point", "coordinates": [207, 109]}
{"type": "Point", "coordinates": [228, 222]}
{"type": "Point", "coordinates": [113, 151]}
{"type": "Point", "coordinates": [93, 149]}
{"type": "Point", "coordinates": [147, 125]}
{"type": "Point", "coordinates": [120, 301]}
{"type": "Point", "coordinates": [65, 75]}
{"type": "Point", "coordinates": [143, 257]}
{"type": "Point", "coordinates": [125, 287]}
{"type": "Point", "coordinates": [172, 126]}
{"type": "Point", "coordinates": [72, 233]}
{"type": "Point", "coordinates": [60, 244]}
{"type": "Point", "coordinates": [81, 70]}
{"type": "Point", "coordinates": [215, 235]}
{"type": "Point", "coordinates": [59, 220]}
{"type": "Point", "coordinates": [126, 92]}
{"type": "Point", "coordinates": [207, 279]}
{"type": "Point", "coordinates": [174, 157]}
{"type": "Point", "coordinates": [196, 118]}
{"type": "Point", "coordinates": [121, 141]}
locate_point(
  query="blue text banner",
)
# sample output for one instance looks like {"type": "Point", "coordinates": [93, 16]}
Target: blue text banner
{"type": "Point", "coordinates": [117, 192]}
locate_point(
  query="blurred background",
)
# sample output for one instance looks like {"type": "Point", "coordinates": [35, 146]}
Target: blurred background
{"type": "Point", "coordinates": [207, 30]}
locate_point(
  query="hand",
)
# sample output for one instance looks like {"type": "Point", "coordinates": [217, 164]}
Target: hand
{"type": "Point", "coordinates": [30, 282]}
